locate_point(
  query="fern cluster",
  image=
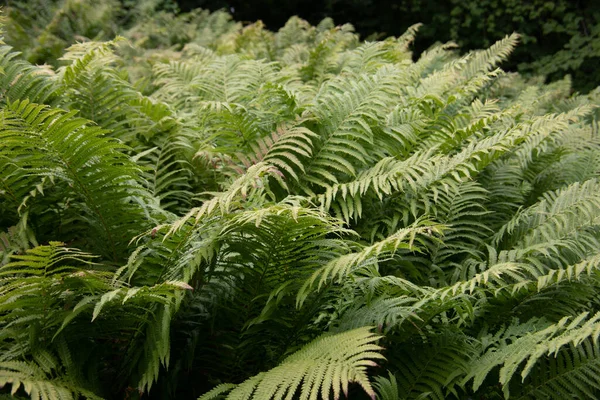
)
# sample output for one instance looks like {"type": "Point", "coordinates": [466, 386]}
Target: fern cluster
{"type": "Point", "coordinates": [221, 211]}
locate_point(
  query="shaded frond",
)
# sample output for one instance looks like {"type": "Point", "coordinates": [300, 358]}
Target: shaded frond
{"type": "Point", "coordinates": [530, 348]}
{"type": "Point", "coordinates": [41, 143]}
{"type": "Point", "coordinates": [557, 215]}
{"type": "Point", "coordinates": [410, 238]}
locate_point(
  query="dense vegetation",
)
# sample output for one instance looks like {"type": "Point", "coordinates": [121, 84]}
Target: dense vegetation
{"type": "Point", "coordinates": [204, 209]}
{"type": "Point", "coordinates": [558, 37]}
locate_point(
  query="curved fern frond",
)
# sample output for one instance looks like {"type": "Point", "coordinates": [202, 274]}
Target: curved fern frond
{"type": "Point", "coordinates": [34, 381]}
{"type": "Point", "coordinates": [384, 178]}
{"type": "Point", "coordinates": [386, 388]}
{"type": "Point", "coordinates": [531, 348]}
{"type": "Point", "coordinates": [486, 60]}
{"type": "Point", "coordinates": [410, 238]}
{"type": "Point", "coordinates": [346, 113]}
{"type": "Point", "coordinates": [249, 185]}
{"type": "Point", "coordinates": [20, 80]}
{"type": "Point", "coordinates": [323, 367]}
{"type": "Point", "coordinates": [573, 371]}
{"type": "Point", "coordinates": [169, 173]}
{"type": "Point", "coordinates": [587, 267]}
{"type": "Point", "coordinates": [288, 149]}
{"type": "Point", "coordinates": [557, 215]}
{"type": "Point", "coordinates": [39, 142]}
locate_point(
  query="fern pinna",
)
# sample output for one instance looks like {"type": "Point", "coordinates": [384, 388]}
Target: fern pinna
{"type": "Point", "coordinates": [221, 211]}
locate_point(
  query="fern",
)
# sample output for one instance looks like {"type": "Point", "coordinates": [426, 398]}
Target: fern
{"type": "Point", "coordinates": [572, 371]}
{"type": "Point", "coordinates": [531, 348]}
{"type": "Point", "coordinates": [435, 372]}
{"type": "Point", "coordinates": [408, 238]}
{"type": "Point", "coordinates": [20, 80]}
{"type": "Point", "coordinates": [34, 381]}
{"type": "Point", "coordinates": [16, 239]}
{"type": "Point", "coordinates": [326, 366]}
{"type": "Point", "coordinates": [248, 204]}
{"type": "Point", "coordinates": [53, 144]}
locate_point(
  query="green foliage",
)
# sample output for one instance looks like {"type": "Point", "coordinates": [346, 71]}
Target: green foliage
{"type": "Point", "coordinates": [225, 211]}
{"type": "Point", "coordinates": [42, 29]}
{"type": "Point", "coordinates": [47, 149]}
{"type": "Point", "coordinates": [326, 366]}
{"type": "Point", "coordinates": [559, 36]}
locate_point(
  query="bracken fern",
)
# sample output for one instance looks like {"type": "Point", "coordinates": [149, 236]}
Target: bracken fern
{"type": "Point", "coordinates": [197, 209]}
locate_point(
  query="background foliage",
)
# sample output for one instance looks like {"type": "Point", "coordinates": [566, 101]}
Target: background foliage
{"type": "Point", "coordinates": [204, 209]}
{"type": "Point", "coordinates": [559, 37]}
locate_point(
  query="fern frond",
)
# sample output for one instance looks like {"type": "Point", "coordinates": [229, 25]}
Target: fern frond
{"type": "Point", "coordinates": [384, 178]}
{"type": "Point", "coordinates": [486, 60]}
{"type": "Point", "coordinates": [433, 372]}
{"type": "Point", "coordinates": [323, 367]}
{"type": "Point", "coordinates": [386, 388]}
{"type": "Point", "coordinates": [218, 391]}
{"type": "Point", "coordinates": [557, 215]}
{"type": "Point", "coordinates": [408, 238]}
{"type": "Point", "coordinates": [247, 185]}
{"type": "Point", "coordinates": [20, 80]}
{"type": "Point", "coordinates": [573, 371]}
{"type": "Point", "coordinates": [169, 175]}
{"type": "Point", "coordinates": [39, 142]}
{"type": "Point", "coordinates": [530, 348]}
{"type": "Point", "coordinates": [34, 381]}
{"type": "Point", "coordinates": [571, 273]}
{"type": "Point", "coordinates": [288, 150]}
{"type": "Point", "coordinates": [347, 111]}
